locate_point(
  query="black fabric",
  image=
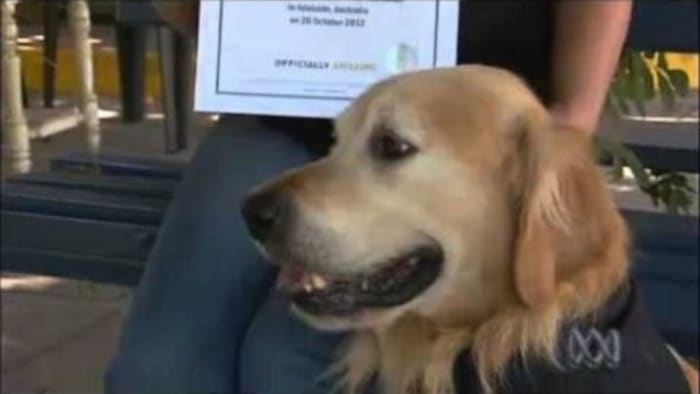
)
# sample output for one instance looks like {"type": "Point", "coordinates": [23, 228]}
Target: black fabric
{"type": "Point", "coordinates": [513, 34]}
{"type": "Point", "coordinates": [645, 364]}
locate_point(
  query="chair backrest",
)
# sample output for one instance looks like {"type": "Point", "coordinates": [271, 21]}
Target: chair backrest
{"type": "Point", "coordinates": [664, 25]}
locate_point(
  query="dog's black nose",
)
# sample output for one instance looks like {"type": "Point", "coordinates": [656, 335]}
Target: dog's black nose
{"type": "Point", "coordinates": [265, 213]}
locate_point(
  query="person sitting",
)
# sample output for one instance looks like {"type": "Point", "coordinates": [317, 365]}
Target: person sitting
{"type": "Point", "coordinates": [204, 319]}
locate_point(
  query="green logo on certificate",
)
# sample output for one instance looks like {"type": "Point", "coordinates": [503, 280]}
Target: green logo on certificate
{"type": "Point", "coordinates": [402, 58]}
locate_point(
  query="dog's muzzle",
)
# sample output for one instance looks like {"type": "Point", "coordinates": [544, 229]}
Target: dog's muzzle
{"type": "Point", "coordinates": [395, 282]}
{"type": "Point", "coordinates": [389, 283]}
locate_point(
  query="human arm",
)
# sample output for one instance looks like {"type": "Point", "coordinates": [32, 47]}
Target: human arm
{"type": "Point", "coordinates": [588, 40]}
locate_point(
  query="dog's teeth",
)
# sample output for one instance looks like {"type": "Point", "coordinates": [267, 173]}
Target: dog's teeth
{"type": "Point", "coordinates": [318, 281]}
{"type": "Point", "coordinates": [413, 261]}
{"type": "Point", "coordinates": [364, 284]}
{"type": "Point", "coordinates": [306, 283]}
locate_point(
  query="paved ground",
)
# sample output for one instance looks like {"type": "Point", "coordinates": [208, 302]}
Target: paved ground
{"type": "Point", "coordinates": [57, 335]}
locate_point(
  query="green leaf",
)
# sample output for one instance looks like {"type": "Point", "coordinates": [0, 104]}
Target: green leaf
{"type": "Point", "coordinates": [669, 188]}
{"type": "Point", "coordinates": [632, 86]}
{"type": "Point", "coordinates": [611, 105]}
{"type": "Point", "coordinates": [624, 81]}
{"type": "Point", "coordinates": [626, 86]}
{"type": "Point", "coordinates": [618, 98]}
{"type": "Point", "coordinates": [636, 82]}
{"type": "Point", "coordinates": [628, 157]}
{"type": "Point", "coordinates": [668, 98]}
{"type": "Point", "coordinates": [639, 106]}
{"type": "Point", "coordinates": [624, 107]}
{"type": "Point", "coordinates": [644, 78]}
{"type": "Point", "coordinates": [662, 62]}
{"type": "Point", "coordinates": [617, 168]}
{"type": "Point", "coordinates": [680, 81]}
{"type": "Point", "coordinates": [635, 79]}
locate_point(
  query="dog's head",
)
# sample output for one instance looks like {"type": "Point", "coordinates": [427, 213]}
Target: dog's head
{"type": "Point", "coordinates": [448, 195]}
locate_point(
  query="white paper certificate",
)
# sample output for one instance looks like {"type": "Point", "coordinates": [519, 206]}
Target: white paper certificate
{"type": "Point", "coordinates": [311, 58]}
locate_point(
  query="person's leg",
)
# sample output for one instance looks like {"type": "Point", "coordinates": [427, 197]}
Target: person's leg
{"type": "Point", "coordinates": [282, 354]}
{"type": "Point", "coordinates": [204, 278]}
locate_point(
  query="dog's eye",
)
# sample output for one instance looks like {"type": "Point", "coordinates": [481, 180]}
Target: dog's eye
{"type": "Point", "coordinates": [389, 146]}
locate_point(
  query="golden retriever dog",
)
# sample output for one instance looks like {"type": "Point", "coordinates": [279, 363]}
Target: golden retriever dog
{"type": "Point", "coordinates": [453, 226]}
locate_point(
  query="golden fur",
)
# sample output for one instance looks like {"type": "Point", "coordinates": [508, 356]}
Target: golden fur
{"type": "Point", "coordinates": [532, 236]}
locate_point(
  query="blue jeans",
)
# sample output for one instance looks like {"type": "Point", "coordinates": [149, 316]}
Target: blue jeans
{"type": "Point", "coordinates": [204, 319]}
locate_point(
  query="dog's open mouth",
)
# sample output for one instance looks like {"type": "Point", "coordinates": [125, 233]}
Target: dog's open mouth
{"type": "Point", "coordinates": [397, 281]}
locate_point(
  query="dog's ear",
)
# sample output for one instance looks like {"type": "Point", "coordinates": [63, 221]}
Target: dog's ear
{"type": "Point", "coordinates": [566, 218]}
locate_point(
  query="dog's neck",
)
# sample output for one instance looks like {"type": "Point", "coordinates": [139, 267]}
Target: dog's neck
{"type": "Point", "coordinates": [406, 357]}
{"type": "Point", "coordinates": [416, 355]}
{"type": "Point", "coordinates": [610, 320]}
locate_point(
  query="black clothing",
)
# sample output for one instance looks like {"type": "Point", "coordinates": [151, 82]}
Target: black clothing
{"type": "Point", "coordinates": [593, 361]}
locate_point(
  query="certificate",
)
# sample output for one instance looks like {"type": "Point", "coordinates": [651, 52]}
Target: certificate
{"type": "Point", "coordinates": [312, 58]}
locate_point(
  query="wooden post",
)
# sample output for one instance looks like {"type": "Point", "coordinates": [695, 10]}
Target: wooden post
{"type": "Point", "coordinates": [17, 133]}
{"type": "Point", "coordinates": [79, 16]}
